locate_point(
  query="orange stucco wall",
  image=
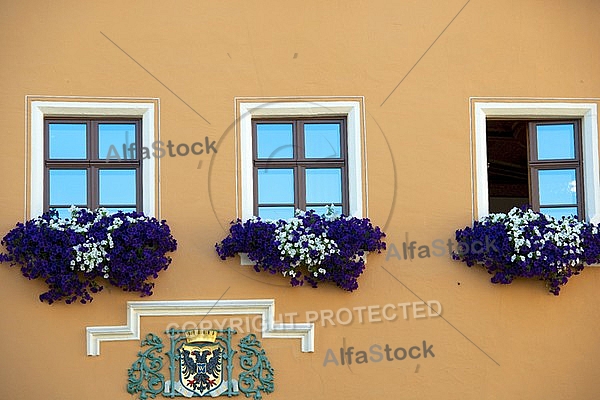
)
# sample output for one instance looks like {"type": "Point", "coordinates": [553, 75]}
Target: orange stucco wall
{"type": "Point", "coordinates": [493, 342]}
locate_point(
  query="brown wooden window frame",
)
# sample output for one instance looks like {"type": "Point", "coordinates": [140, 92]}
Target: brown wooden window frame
{"type": "Point", "coordinates": [535, 165]}
{"type": "Point", "coordinates": [299, 163]}
{"type": "Point", "coordinates": [92, 163]}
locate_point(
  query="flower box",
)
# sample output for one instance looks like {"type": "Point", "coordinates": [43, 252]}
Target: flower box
{"type": "Point", "coordinates": [525, 243]}
{"type": "Point", "coordinates": [72, 255]}
{"type": "Point", "coordinates": [308, 248]}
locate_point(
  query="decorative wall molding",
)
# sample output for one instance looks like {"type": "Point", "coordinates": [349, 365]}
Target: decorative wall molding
{"type": "Point", "coordinates": [138, 309]}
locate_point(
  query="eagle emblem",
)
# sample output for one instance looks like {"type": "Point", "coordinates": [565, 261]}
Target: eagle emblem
{"type": "Point", "coordinates": [200, 367]}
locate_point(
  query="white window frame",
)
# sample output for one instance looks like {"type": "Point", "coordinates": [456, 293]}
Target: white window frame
{"type": "Point", "coordinates": [354, 118]}
{"type": "Point", "coordinates": [39, 109]}
{"type": "Point", "coordinates": [534, 110]}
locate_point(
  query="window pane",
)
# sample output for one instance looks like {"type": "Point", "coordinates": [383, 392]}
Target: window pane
{"type": "Point", "coordinates": [322, 209]}
{"type": "Point", "coordinates": [558, 212]}
{"type": "Point", "coordinates": [117, 186]}
{"type": "Point", "coordinates": [63, 212]}
{"type": "Point", "coordinates": [557, 186]}
{"type": "Point", "coordinates": [275, 186]}
{"type": "Point", "coordinates": [556, 141]}
{"type": "Point", "coordinates": [276, 212]}
{"type": "Point", "coordinates": [322, 140]}
{"type": "Point", "coordinates": [274, 141]}
{"type": "Point", "coordinates": [68, 186]}
{"type": "Point", "coordinates": [324, 185]}
{"type": "Point", "coordinates": [112, 210]}
{"type": "Point", "coordinates": [116, 135]}
{"type": "Point", "coordinates": [67, 141]}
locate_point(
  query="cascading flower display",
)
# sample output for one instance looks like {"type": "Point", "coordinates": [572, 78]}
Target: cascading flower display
{"type": "Point", "coordinates": [71, 254]}
{"type": "Point", "coordinates": [530, 244]}
{"type": "Point", "coordinates": [309, 248]}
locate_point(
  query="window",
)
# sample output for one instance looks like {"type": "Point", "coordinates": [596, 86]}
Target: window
{"type": "Point", "coordinates": [299, 164]}
{"type": "Point", "coordinates": [300, 154]}
{"type": "Point", "coordinates": [67, 139]}
{"type": "Point", "coordinates": [537, 163]}
{"type": "Point", "coordinates": [555, 168]}
{"type": "Point", "coordinates": [543, 154]}
{"type": "Point", "coordinates": [79, 169]}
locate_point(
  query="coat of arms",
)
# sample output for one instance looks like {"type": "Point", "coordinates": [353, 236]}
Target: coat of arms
{"type": "Point", "coordinates": [200, 364]}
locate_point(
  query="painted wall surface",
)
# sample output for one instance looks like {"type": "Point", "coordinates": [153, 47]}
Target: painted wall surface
{"type": "Point", "coordinates": [195, 58]}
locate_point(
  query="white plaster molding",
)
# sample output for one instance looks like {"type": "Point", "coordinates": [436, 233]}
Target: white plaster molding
{"type": "Point", "coordinates": [138, 309]}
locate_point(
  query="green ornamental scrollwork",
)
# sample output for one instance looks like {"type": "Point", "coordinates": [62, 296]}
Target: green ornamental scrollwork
{"type": "Point", "coordinates": [258, 373]}
{"type": "Point", "coordinates": [200, 364]}
{"type": "Point", "coordinates": [144, 375]}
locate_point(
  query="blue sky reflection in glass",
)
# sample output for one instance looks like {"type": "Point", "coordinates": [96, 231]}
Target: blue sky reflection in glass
{"type": "Point", "coordinates": [67, 141]}
{"type": "Point", "coordinates": [558, 212]}
{"type": "Point", "coordinates": [276, 186]}
{"type": "Point", "coordinates": [116, 135]}
{"type": "Point", "coordinates": [68, 186]}
{"type": "Point", "coordinates": [117, 187]}
{"type": "Point", "coordinates": [323, 186]}
{"type": "Point", "coordinates": [322, 141]}
{"type": "Point", "coordinates": [556, 142]}
{"type": "Point", "coordinates": [274, 141]}
{"type": "Point", "coordinates": [557, 187]}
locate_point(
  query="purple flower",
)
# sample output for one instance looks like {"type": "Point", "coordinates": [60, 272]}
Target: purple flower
{"type": "Point", "coordinates": [532, 245]}
{"type": "Point", "coordinates": [309, 248]}
{"type": "Point", "coordinates": [72, 255]}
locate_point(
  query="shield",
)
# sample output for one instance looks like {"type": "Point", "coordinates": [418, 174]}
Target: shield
{"type": "Point", "coordinates": [200, 366]}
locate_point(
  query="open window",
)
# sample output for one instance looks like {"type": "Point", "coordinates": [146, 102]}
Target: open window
{"type": "Point", "coordinates": [539, 153]}
{"type": "Point", "coordinates": [537, 163]}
